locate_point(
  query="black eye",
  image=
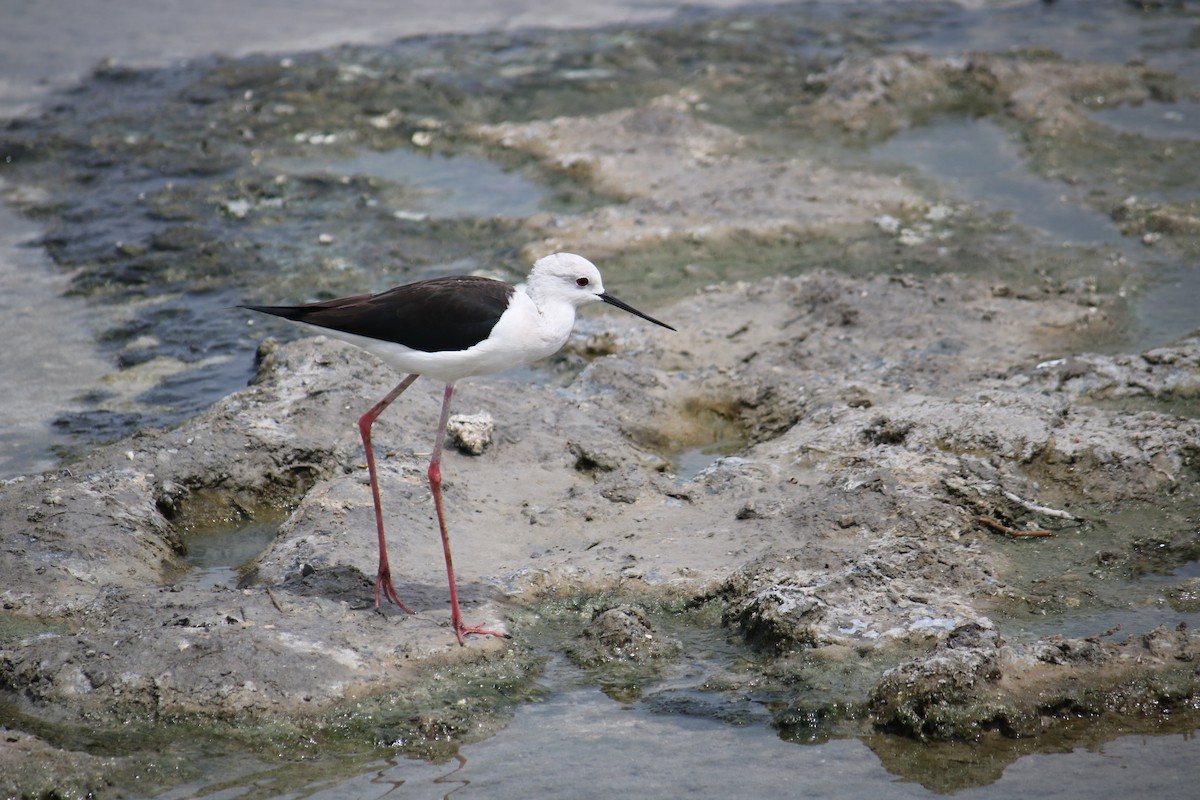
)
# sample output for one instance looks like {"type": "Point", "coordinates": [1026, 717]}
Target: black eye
{"type": "Point", "coordinates": [581, 281]}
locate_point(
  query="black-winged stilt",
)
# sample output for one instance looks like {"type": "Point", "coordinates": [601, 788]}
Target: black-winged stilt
{"type": "Point", "coordinates": [451, 328]}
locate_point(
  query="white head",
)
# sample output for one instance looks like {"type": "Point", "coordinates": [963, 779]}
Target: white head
{"type": "Point", "coordinates": [568, 278]}
{"type": "Point", "coordinates": [565, 277]}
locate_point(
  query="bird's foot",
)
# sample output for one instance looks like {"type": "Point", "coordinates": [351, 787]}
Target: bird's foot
{"type": "Point", "coordinates": [476, 630]}
{"type": "Point", "coordinates": [383, 583]}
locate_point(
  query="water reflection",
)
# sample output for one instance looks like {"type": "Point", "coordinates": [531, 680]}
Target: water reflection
{"type": "Point", "coordinates": [580, 744]}
{"type": "Point", "coordinates": [217, 556]}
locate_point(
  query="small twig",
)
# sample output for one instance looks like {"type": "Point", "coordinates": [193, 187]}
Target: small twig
{"type": "Point", "coordinates": [1015, 533]}
{"type": "Point", "coordinates": [274, 601]}
{"type": "Point", "coordinates": [1035, 508]}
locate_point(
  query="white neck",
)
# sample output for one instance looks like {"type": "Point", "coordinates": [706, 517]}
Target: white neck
{"type": "Point", "coordinates": [556, 315]}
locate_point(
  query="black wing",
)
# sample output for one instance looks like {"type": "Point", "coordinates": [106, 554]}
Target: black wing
{"type": "Point", "coordinates": [431, 316]}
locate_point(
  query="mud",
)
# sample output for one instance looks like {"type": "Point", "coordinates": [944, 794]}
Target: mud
{"type": "Point", "coordinates": [884, 440]}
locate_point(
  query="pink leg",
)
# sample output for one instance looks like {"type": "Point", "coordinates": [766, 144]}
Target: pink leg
{"type": "Point", "coordinates": [435, 485]}
{"type": "Point", "coordinates": [383, 578]}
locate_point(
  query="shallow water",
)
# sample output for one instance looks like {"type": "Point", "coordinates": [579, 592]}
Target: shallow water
{"type": "Point", "coordinates": [977, 160]}
{"type": "Point", "coordinates": [1155, 120]}
{"type": "Point", "coordinates": [47, 361]}
{"type": "Point", "coordinates": [582, 745]}
{"type": "Point", "coordinates": [216, 557]}
{"type": "Point", "coordinates": [442, 186]}
{"type": "Point", "coordinates": [579, 743]}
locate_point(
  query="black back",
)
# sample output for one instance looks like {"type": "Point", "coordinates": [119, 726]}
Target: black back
{"type": "Point", "coordinates": [431, 316]}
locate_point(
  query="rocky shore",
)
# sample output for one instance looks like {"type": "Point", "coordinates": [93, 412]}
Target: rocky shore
{"type": "Point", "coordinates": [884, 491]}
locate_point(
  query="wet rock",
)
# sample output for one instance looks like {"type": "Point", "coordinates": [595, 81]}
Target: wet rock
{"type": "Point", "coordinates": [869, 96]}
{"type": "Point", "coordinates": [929, 698]}
{"type": "Point", "coordinates": [958, 693]}
{"type": "Point", "coordinates": [338, 582]}
{"type": "Point", "coordinates": [620, 634]}
{"type": "Point", "coordinates": [1178, 644]}
{"type": "Point", "coordinates": [1062, 651]}
{"type": "Point", "coordinates": [972, 634]}
{"type": "Point", "coordinates": [780, 616]}
{"type": "Point", "coordinates": [1165, 375]}
{"type": "Point", "coordinates": [31, 767]}
{"type": "Point", "coordinates": [1186, 597]}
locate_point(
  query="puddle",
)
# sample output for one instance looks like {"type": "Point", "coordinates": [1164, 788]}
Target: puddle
{"type": "Point", "coordinates": [1145, 583]}
{"type": "Point", "coordinates": [712, 431]}
{"type": "Point", "coordinates": [444, 187]}
{"type": "Point", "coordinates": [581, 744]}
{"type": "Point", "coordinates": [1166, 310]}
{"type": "Point", "coordinates": [14, 628]}
{"type": "Point", "coordinates": [977, 160]}
{"type": "Point", "coordinates": [691, 462]}
{"type": "Point", "coordinates": [1188, 570]}
{"type": "Point", "coordinates": [1155, 120]}
{"type": "Point", "coordinates": [216, 557]}
{"type": "Point", "coordinates": [1122, 622]}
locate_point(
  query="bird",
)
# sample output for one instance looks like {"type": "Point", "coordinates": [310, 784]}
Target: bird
{"type": "Point", "coordinates": [448, 329]}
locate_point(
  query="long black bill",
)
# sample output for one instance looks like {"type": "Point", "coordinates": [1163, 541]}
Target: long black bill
{"type": "Point", "coordinates": [612, 301]}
